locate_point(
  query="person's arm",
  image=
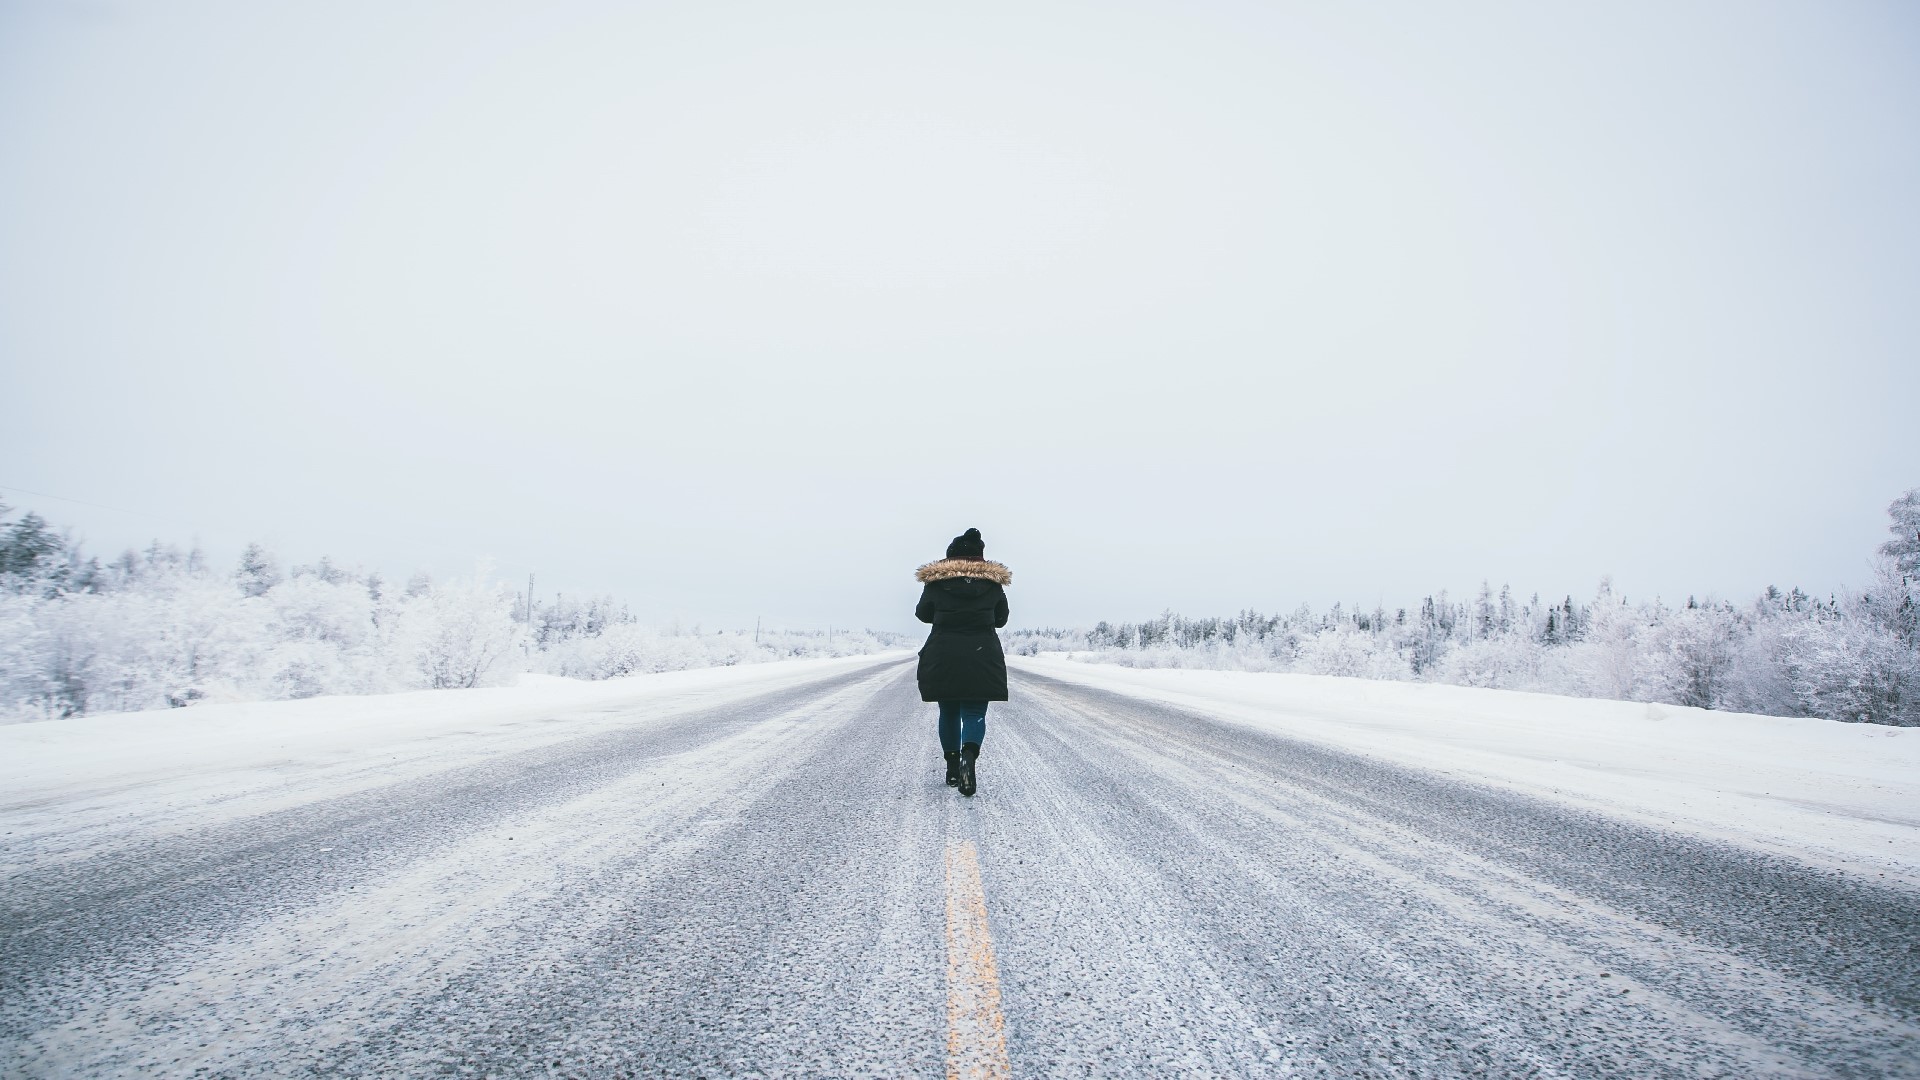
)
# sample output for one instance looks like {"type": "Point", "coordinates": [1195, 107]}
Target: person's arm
{"type": "Point", "coordinates": [1000, 611]}
{"type": "Point", "coordinates": [924, 609]}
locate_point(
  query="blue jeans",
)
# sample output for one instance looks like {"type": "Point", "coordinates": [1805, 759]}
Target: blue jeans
{"type": "Point", "coordinates": [962, 722]}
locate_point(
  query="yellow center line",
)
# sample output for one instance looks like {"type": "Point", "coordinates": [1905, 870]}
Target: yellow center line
{"type": "Point", "coordinates": [976, 1032]}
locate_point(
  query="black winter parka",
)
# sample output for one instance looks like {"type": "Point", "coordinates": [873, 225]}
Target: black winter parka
{"type": "Point", "coordinates": [966, 601]}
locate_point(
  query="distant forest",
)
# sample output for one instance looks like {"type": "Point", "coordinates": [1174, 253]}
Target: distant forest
{"type": "Point", "coordinates": [164, 627]}
{"type": "Point", "coordinates": [1853, 656]}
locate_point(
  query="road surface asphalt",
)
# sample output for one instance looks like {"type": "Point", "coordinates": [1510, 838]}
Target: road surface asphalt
{"type": "Point", "coordinates": [785, 887]}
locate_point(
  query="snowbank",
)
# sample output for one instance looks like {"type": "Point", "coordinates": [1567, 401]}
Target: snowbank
{"type": "Point", "coordinates": [1835, 794]}
{"type": "Point", "coordinates": [172, 769]}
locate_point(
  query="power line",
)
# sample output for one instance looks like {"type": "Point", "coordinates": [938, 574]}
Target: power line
{"type": "Point", "coordinates": [77, 502]}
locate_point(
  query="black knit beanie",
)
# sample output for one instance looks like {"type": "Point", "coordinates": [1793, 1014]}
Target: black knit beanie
{"type": "Point", "coordinates": [967, 545]}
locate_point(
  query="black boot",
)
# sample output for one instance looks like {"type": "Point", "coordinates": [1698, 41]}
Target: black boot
{"type": "Point", "coordinates": [953, 770]}
{"type": "Point", "coordinates": [968, 752]}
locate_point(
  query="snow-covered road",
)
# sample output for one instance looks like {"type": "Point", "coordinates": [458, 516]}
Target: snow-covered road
{"type": "Point", "coordinates": [772, 880]}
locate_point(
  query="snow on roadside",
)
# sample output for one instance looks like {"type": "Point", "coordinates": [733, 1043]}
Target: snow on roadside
{"type": "Point", "coordinates": [1844, 796]}
{"type": "Point", "coordinates": [327, 973]}
{"type": "Point", "coordinates": [65, 783]}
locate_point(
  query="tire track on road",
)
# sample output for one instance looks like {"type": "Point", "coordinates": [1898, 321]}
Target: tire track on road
{"type": "Point", "coordinates": [1397, 888]}
{"type": "Point", "coordinates": [802, 935]}
{"type": "Point", "coordinates": [1859, 939]}
{"type": "Point", "coordinates": [66, 926]}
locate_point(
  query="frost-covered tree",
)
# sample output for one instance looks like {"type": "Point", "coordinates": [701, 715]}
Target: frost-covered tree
{"type": "Point", "coordinates": [1896, 595]}
{"type": "Point", "coordinates": [1688, 655]}
{"type": "Point", "coordinates": [1904, 548]}
{"type": "Point", "coordinates": [1854, 656]}
{"type": "Point", "coordinates": [155, 628]}
{"type": "Point", "coordinates": [33, 556]}
{"type": "Point", "coordinates": [459, 633]}
{"type": "Point", "coordinates": [258, 572]}
{"type": "Point", "coordinates": [1485, 616]}
{"type": "Point", "coordinates": [1351, 652]}
{"type": "Point", "coordinates": [325, 636]}
{"type": "Point", "coordinates": [1850, 669]}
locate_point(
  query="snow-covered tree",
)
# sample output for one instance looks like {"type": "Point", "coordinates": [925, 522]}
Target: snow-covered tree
{"type": "Point", "coordinates": [1850, 669]}
{"type": "Point", "coordinates": [34, 557]}
{"type": "Point", "coordinates": [258, 572]}
{"type": "Point", "coordinates": [1904, 548]}
{"type": "Point", "coordinates": [459, 633]}
{"type": "Point", "coordinates": [1688, 655]}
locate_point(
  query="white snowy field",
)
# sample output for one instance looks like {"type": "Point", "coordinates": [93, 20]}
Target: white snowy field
{"type": "Point", "coordinates": [1845, 796]}
{"type": "Point", "coordinates": [64, 782]}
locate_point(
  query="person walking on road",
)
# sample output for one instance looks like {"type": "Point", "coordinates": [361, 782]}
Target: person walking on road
{"type": "Point", "coordinates": [964, 597]}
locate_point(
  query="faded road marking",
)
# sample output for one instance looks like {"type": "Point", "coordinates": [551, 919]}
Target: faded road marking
{"type": "Point", "coordinates": [976, 1032]}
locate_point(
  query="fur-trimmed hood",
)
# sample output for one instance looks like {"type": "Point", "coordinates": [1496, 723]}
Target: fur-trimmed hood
{"type": "Point", "coordinates": [953, 568]}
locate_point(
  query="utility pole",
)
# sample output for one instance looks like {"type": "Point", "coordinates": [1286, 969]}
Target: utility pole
{"type": "Point", "coordinates": [756, 629]}
{"type": "Point", "coordinates": [528, 646]}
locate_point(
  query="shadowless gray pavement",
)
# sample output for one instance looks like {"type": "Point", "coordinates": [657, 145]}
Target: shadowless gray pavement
{"type": "Point", "coordinates": [768, 889]}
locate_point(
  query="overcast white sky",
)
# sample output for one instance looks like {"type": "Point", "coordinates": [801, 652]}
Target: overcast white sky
{"type": "Point", "coordinates": [735, 310]}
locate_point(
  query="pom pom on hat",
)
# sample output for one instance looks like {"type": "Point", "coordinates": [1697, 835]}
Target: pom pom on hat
{"type": "Point", "coordinates": [967, 545]}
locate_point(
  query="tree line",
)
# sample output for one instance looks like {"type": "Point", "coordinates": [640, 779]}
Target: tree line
{"type": "Point", "coordinates": [165, 627]}
{"type": "Point", "coordinates": [1852, 656]}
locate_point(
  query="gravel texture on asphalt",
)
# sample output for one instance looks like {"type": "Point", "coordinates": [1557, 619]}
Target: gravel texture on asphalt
{"type": "Point", "coordinates": [759, 889]}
